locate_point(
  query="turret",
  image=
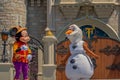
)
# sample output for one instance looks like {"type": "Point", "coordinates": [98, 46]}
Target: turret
{"type": "Point", "coordinates": [12, 13]}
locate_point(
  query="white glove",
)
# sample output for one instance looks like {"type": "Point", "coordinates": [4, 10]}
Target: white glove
{"type": "Point", "coordinates": [29, 57]}
{"type": "Point", "coordinates": [24, 47]}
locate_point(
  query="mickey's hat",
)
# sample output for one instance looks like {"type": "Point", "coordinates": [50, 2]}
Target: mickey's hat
{"type": "Point", "coordinates": [20, 29]}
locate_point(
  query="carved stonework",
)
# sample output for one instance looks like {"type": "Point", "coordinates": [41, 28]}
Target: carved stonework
{"type": "Point", "coordinates": [69, 11]}
{"type": "Point", "coordinates": [86, 11]}
{"type": "Point", "coordinates": [108, 50]}
{"type": "Point", "coordinates": [104, 10]}
{"type": "Point", "coordinates": [77, 11]}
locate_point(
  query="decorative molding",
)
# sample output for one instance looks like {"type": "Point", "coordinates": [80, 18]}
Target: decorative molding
{"type": "Point", "coordinates": [104, 10]}
{"type": "Point", "coordinates": [86, 10]}
{"type": "Point", "coordinates": [69, 11]}
{"type": "Point", "coordinates": [87, 2]}
{"type": "Point", "coordinates": [99, 10]}
{"type": "Point", "coordinates": [60, 9]}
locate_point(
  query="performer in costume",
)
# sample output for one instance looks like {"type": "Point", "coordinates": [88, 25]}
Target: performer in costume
{"type": "Point", "coordinates": [79, 65]}
{"type": "Point", "coordinates": [21, 52]}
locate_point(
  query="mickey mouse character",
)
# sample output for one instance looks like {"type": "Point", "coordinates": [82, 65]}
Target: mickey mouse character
{"type": "Point", "coordinates": [79, 65]}
{"type": "Point", "coordinates": [21, 52]}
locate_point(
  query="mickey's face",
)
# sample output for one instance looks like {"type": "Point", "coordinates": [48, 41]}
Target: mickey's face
{"type": "Point", "coordinates": [24, 36]}
{"type": "Point", "coordinates": [20, 34]}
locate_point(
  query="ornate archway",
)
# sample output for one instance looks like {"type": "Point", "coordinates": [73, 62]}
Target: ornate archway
{"type": "Point", "coordinates": [93, 22]}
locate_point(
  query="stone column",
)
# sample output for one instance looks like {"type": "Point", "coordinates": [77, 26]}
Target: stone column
{"type": "Point", "coordinates": [12, 70]}
{"type": "Point", "coordinates": [40, 63]}
{"type": "Point", "coordinates": [49, 67]}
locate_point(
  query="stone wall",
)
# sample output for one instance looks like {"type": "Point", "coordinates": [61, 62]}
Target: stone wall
{"type": "Point", "coordinates": [36, 18]}
{"type": "Point", "coordinates": [12, 13]}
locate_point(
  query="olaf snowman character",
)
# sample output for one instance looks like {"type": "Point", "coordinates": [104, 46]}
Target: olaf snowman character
{"type": "Point", "coordinates": [79, 65]}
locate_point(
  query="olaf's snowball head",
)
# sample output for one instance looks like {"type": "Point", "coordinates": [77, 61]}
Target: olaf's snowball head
{"type": "Point", "coordinates": [74, 33]}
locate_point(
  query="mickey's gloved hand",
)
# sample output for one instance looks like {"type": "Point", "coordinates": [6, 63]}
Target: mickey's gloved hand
{"type": "Point", "coordinates": [29, 57]}
{"type": "Point", "coordinates": [24, 47]}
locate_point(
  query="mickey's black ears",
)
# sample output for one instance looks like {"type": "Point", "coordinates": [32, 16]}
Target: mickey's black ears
{"type": "Point", "coordinates": [13, 31]}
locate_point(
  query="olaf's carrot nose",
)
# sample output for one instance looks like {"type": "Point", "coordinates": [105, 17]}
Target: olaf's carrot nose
{"type": "Point", "coordinates": [69, 31]}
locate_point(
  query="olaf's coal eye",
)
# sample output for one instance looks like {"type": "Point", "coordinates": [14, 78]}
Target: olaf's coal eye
{"type": "Point", "coordinates": [74, 46]}
{"type": "Point", "coordinates": [72, 61]}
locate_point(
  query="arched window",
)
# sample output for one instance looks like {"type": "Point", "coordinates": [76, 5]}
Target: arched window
{"type": "Point", "coordinates": [89, 32]}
